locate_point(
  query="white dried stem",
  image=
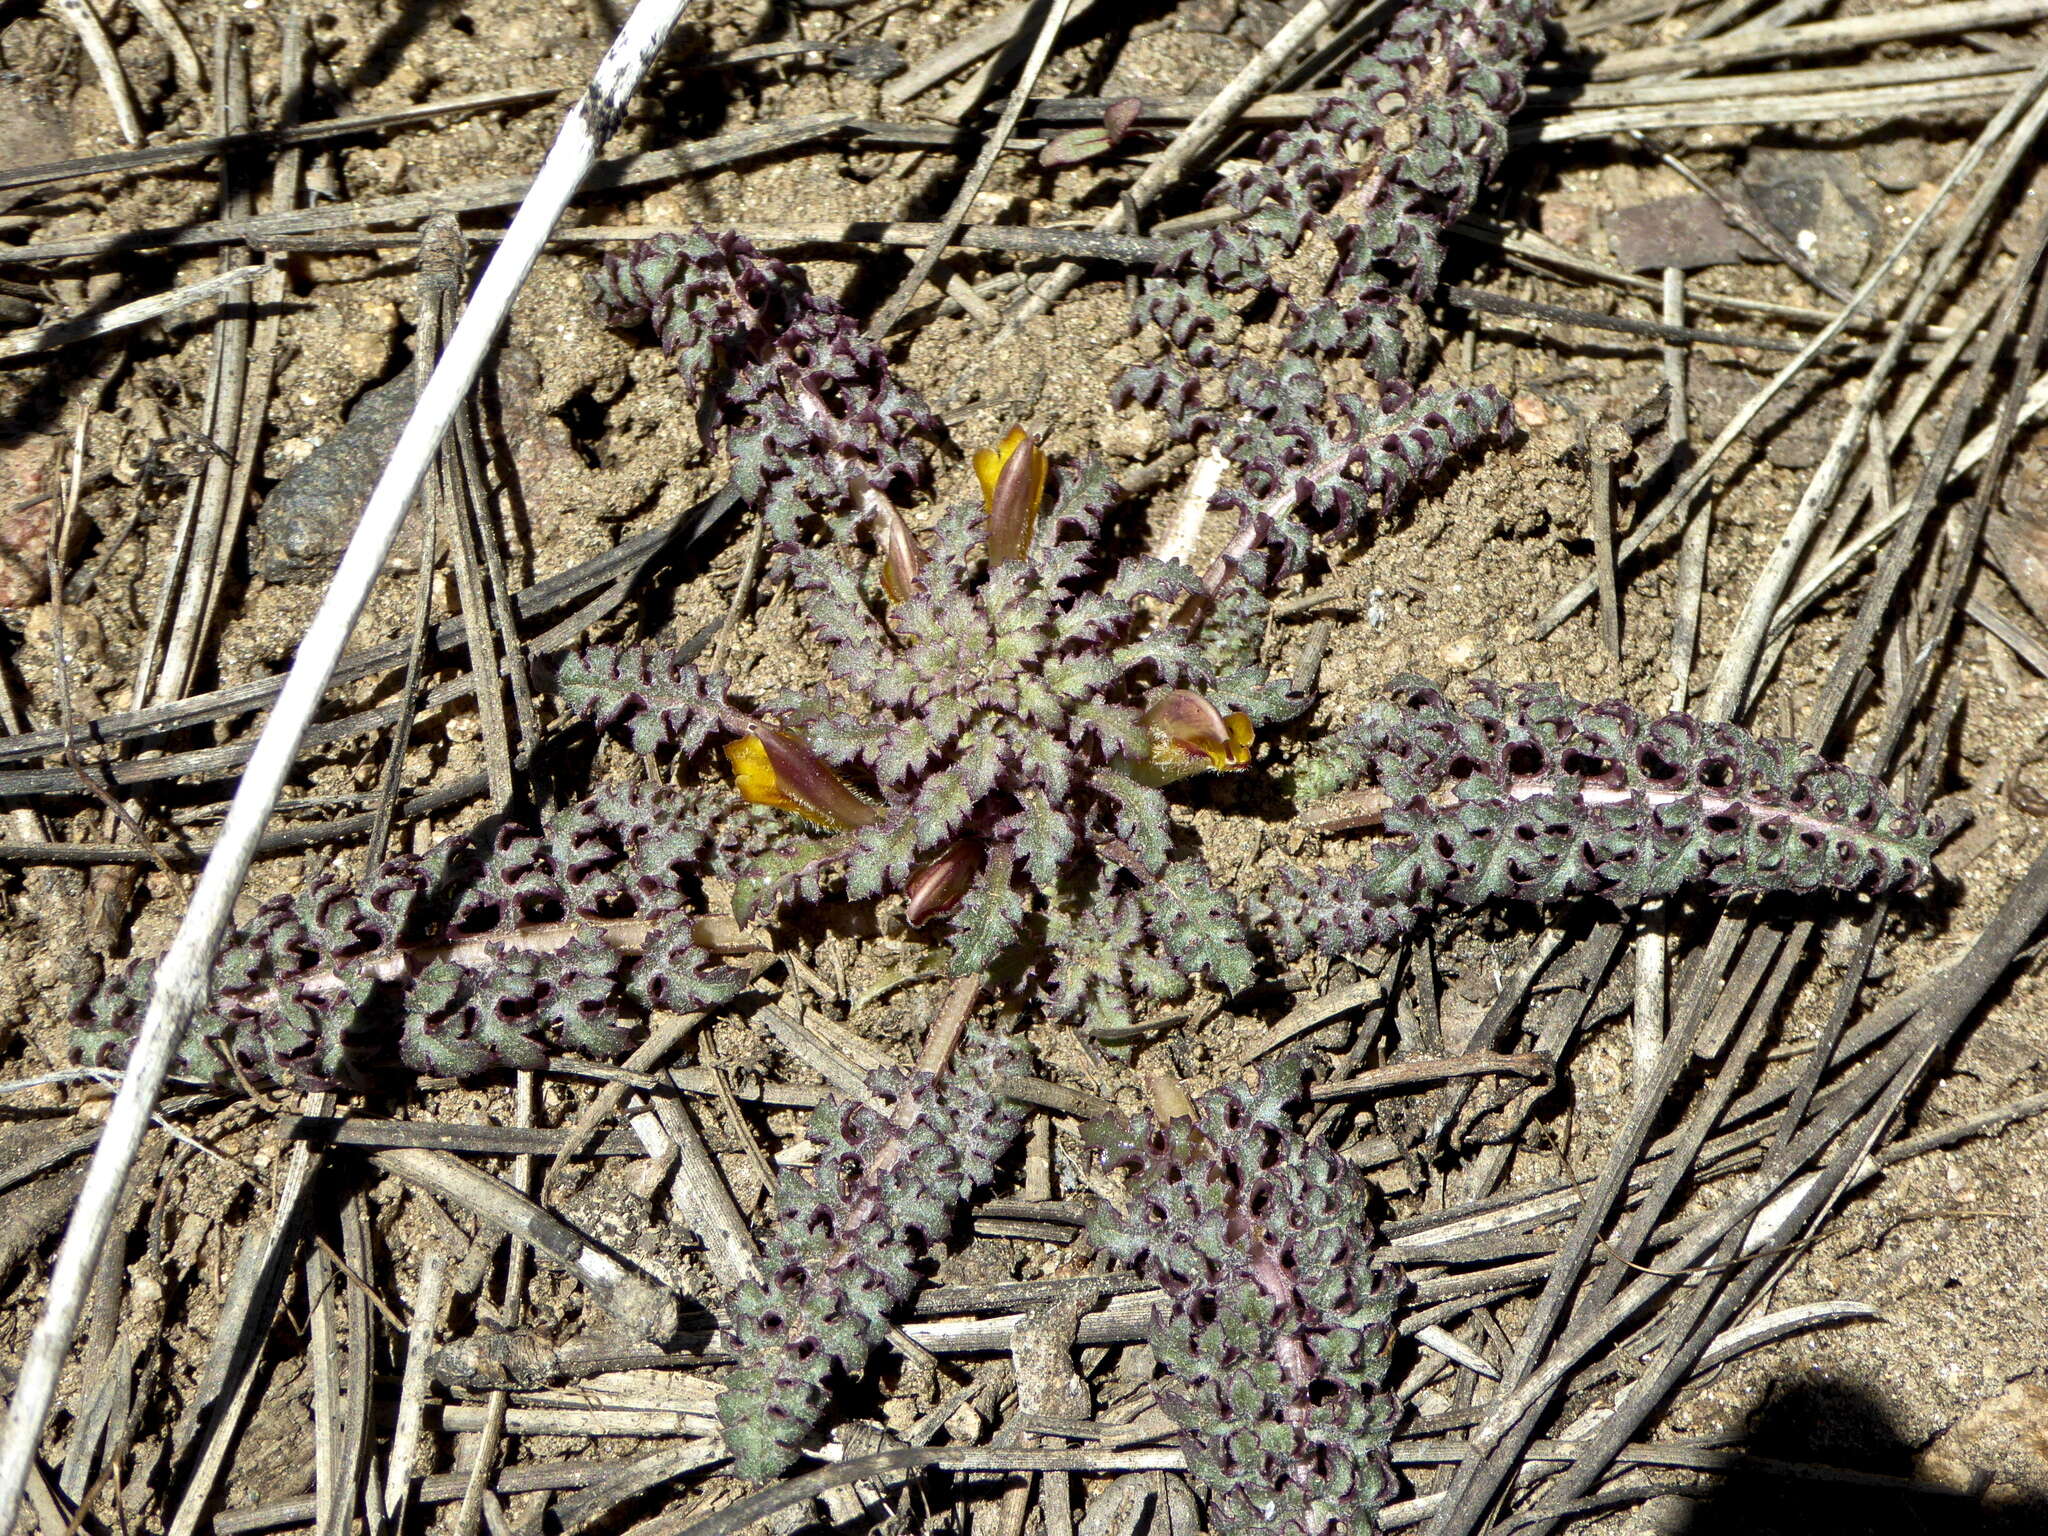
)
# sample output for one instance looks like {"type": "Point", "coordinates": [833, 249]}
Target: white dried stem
{"type": "Point", "coordinates": [92, 37]}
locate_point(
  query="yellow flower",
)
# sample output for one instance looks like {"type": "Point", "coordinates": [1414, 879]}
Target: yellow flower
{"type": "Point", "coordinates": [770, 768]}
{"type": "Point", "coordinates": [1012, 487]}
{"type": "Point", "coordinates": [1190, 735]}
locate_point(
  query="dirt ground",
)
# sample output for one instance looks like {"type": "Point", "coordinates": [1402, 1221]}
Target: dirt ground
{"type": "Point", "coordinates": [1944, 1385]}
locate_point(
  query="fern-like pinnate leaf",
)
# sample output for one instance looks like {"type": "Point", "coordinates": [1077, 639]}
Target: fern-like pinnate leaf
{"type": "Point", "coordinates": [1529, 795]}
{"type": "Point", "coordinates": [1342, 224]}
{"type": "Point", "coordinates": [498, 949]}
{"type": "Point", "coordinates": [851, 1238]}
{"type": "Point", "coordinates": [654, 700]}
{"type": "Point", "coordinates": [1276, 1335]}
{"type": "Point", "coordinates": [815, 423]}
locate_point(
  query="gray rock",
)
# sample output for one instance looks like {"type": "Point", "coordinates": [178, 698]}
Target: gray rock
{"type": "Point", "coordinates": [33, 131]}
{"type": "Point", "coordinates": [305, 522]}
{"type": "Point", "coordinates": [1814, 198]}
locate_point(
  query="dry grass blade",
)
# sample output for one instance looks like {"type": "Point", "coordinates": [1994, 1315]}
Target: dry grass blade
{"type": "Point", "coordinates": [2021, 916]}
{"type": "Point", "coordinates": [413, 1387]}
{"type": "Point", "coordinates": [1054, 17]}
{"type": "Point", "coordinates": [92, 37]}
{"type": "Point", "coordinates": [1194, 140]}
{"type": "Point", "coordinates": [976, 43]}
{"type": "Point", "coordinates": [200, 554]}
{"type": "Point", "coordinates": [612, 576]}
{"type": "Point", "coordinates": [2016, 123]}
{"type": "Point", "coordinates": [1008, 239]}
{"type": "Point", "coordinates": [408, 208]}
{"type": "Point", "coordinates": [1828, 710]}
{"type": "Point", "coordinates": [888, 1467]}
{"type": "Point", "coordinates": [64, 333]}
{"type": "Point", "coordinates": [453, 497]}
{"type": "Point", "coordinates": [181, 977]}
{"type": "Point", "coordinates": [705, 1200]}
{"type": "Point", "coordinates": [1729, 691]}
{"type": "Point", "coordinates": [634, 1300]}
{"type": "Point", "coordinates": [213, 1418]}
{"type": "Point", "coordinates": [1882, 103]}
{"type": "Point", "coordinates": [1821, 37]}
{"type": "Point", "coordinates": [191, 151]}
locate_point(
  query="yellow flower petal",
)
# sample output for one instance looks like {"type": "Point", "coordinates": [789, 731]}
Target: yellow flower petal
{"type": "Point", "coordinates": [753, 776]}
{"type": "Point", "coordinates": [989, 462]}
{"type": "Point", "coordinates": [789, 776]}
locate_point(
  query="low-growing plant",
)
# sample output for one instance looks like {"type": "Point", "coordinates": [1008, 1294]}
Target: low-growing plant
{"type": "Point", "coordinates": [991, 740]}
{"type": "Point", "coordinates": [851, 1237]}
{"type": "Point", "coordinates": [1003, 704]}
{"type": "Point", "coordinates": [496, 949]}
{"type": "Point", "coordinates": [1338, 234]}
{"type": "Point", "coordinates": [1277, 1331]}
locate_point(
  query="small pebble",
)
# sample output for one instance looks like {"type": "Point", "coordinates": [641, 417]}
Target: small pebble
{"type": "Point", "coordinates": [305, 522]}
{"type": "Point", "coordinates": [26, 508]}
{"type": "Point", "coordinates": [1466, 653]}
{"type": "Point", "coordinates": [1897, 165]}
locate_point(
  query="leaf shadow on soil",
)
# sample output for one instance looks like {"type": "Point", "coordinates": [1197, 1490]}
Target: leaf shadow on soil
{"type": "Point", "coordinates": [1789, 1480]}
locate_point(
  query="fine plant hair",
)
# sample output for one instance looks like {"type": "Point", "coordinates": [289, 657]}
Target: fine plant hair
{"type": "Point", "coordinates": [1277, 1331]}
{"type": "Point", "coordinates": [1339, 232]}
{"type": "Point", "coordinates": [501, 948]}
{"type": "Point", "coordinates": [851, 1239]}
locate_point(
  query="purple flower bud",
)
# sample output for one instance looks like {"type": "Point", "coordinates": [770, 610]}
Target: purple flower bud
{"type": "Point", "coordinates": [1012, 487]}
{"type": "Point", "coordinates": [902, 555]}
{"type": "Point", "coordinates": [938, 887]}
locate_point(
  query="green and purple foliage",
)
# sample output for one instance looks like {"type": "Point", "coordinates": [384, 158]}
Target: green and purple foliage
{"type": "Point", "coordinates": [1000, 723]}
{"type": "Point", "coordinates": [497, 949]}
{"type": "Point", "coordinates": [1339, 233]}
{"type": "Point", "coordinates": [851, 1238]}
{"type": "Point", "coordinates": [816, 424]}
{"type": "Point", "coordinates": [1532, 796]}
{"type": "Point", "coordinates": [1275, 1338]}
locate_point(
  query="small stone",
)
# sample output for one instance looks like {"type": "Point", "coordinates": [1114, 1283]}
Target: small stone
{"type": "Point", "coordinates": [1205, 16]}
{"type": "Point", "coordinates": [1668, 1514]}
{"type": "Point", "coordinates": [2003, 1438]}
{"type": "Point", "coordinates": [1897, 165]}
{"type": "Point", "coordinates": [305, 522]}
{"type": "Point", "coordinates": [1565, 221]}
{"type": "Point", "coordinates": [310, 514]}
{"type": "Point", "coordinates": [1683, 232]}
{"type": "Point", "coordinates": [1831, 230]}
{"type": "Point", "coordinates": [1465, 654]}
{"type": "Point", "coordinates": [27, 507]}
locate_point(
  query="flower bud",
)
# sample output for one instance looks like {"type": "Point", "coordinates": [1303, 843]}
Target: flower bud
{"type": "Point", "coordinates": [1191, 735]}
{"type": "Point", "coordinates": [1012, 487]}
{"type": "Point", "coordinates": [902, 555]}
{"type": "Point", "coordinates": [939, 886]}
{"type": "Point", "coordinates": [770, 768]}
